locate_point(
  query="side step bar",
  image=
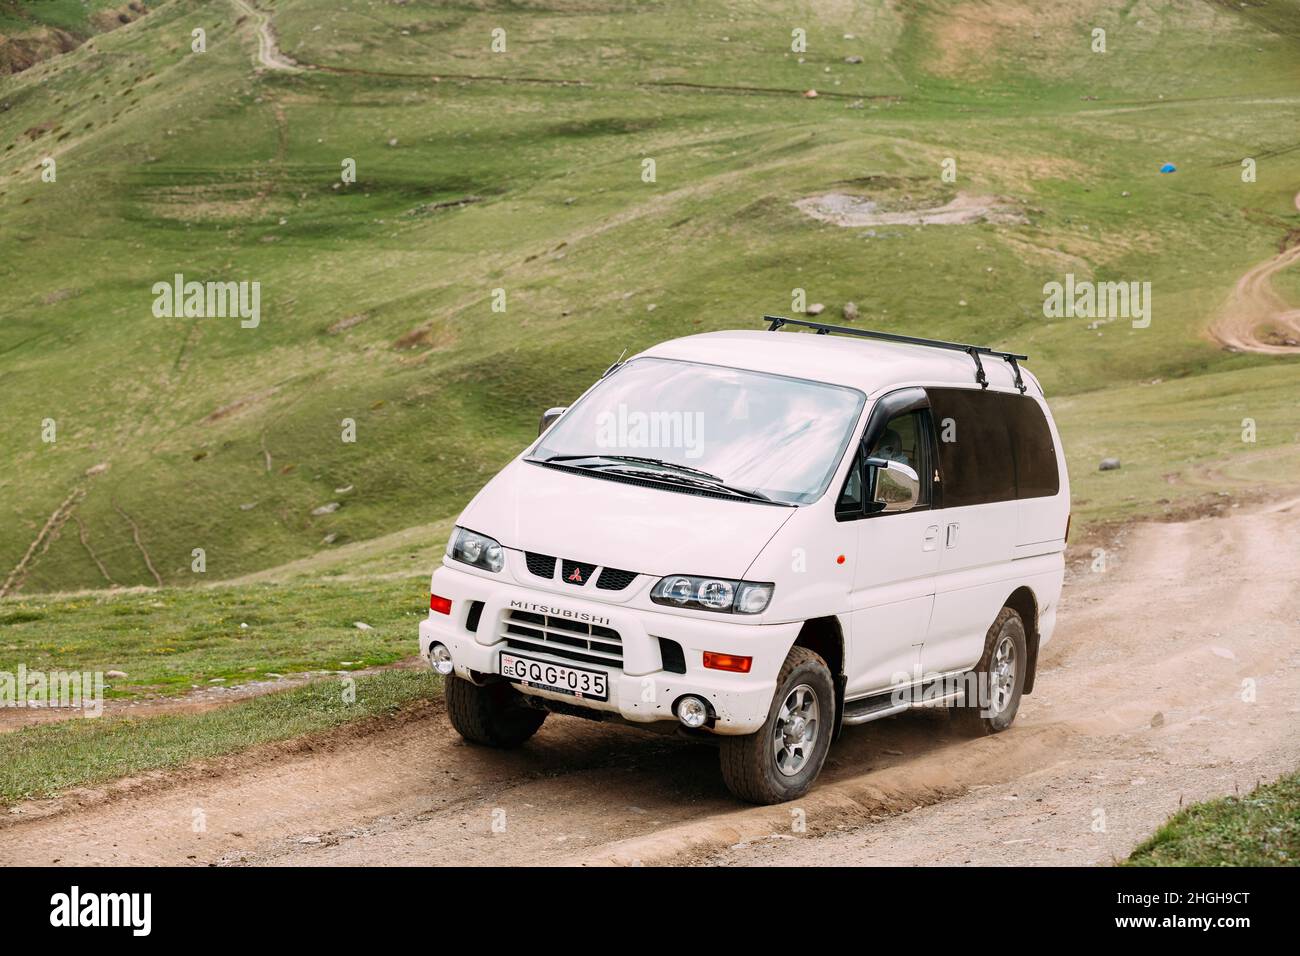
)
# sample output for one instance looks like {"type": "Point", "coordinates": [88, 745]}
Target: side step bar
{"type": "Point", "coordinates": [866, 709]}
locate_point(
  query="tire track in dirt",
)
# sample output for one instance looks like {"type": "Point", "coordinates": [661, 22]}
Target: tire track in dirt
{"type": "Point", "coordinates": [84, 536]}
{"type": "Point", "coordinates": [1138, 708]}
{"type": "Point", "coordinates": [135, 536]}
{"type": "Point", "coordinates": [1256, 318]}
{"type": "Point", "coordinates": [42, 541]}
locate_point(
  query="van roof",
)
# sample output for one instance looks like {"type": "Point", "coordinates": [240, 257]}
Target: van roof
{"type": "Point", "coordinates": [870, 365]}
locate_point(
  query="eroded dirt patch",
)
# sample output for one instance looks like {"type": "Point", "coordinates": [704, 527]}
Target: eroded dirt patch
{"type": "Point", "coordinates": [843, 209]}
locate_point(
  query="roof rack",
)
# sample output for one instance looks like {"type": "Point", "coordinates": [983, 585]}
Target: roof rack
{"type": "Point", "coordinates": [974, 351]}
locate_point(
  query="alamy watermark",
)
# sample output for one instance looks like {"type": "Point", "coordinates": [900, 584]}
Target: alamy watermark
{"type": "Point", "coordinates": [179, 299]}
{"type": "Point", "coordinates": [971, 689]}
{"type": "Point", "coordinates": [1098, 300]}
{"type": "Point", "coordinates": [70, 690]}
{"type": "Point", "coordinates": [624, 429]}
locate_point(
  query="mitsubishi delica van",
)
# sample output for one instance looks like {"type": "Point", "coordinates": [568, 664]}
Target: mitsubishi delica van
{"type": "Point", "coordinates": [758, 538]}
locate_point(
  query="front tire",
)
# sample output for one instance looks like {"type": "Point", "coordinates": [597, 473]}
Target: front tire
{"type": "Point", "coordinates": [1000, 678]}
{"type": "Point", "coordinates": [782, 759]}
{"type": "Point", "coordinates": [492, 714]}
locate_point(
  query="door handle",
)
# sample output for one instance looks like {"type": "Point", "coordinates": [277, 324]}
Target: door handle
{"type": "Point", "coordinates": [952, 535]}
{"type": "Point", "coordinates": [931, 539]}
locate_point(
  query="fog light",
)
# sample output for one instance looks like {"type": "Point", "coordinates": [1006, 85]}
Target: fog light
{"type": "Point", "coordinates": [692, 712]}
{"type": "Point", "coordinates": [440, 658]}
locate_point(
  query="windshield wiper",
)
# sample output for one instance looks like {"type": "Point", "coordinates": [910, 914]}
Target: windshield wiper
{"type": "Point", "coordinates": [694, 477]}
{"type": "Point", "coordinates": [674, 478]}
{"type": "Point", "coordinates": [659, 462]}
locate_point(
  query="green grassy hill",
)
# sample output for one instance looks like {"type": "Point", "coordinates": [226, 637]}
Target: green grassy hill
{"type": "Point", "coordinates": [522, 170]}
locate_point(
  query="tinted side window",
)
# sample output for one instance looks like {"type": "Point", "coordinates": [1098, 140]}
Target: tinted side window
{"type": "Point", "coordinates": [1036, 474]}
{"type": "Point", "coordinates": [993, 446]}
{"type": "Point", "coordinates": [976, 461]}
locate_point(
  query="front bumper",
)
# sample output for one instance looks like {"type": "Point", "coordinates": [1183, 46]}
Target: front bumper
{"type": "Point", "coordinates": [641, 691]}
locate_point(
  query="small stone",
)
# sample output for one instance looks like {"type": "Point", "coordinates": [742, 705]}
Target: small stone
{"type": "Point", "coordinates": [393, 141]}
{"type": "Point", "coordinates": [1158, 720]}
{"type": "Point", "coordinates": [248, 506]}
{"type": "Point", "coordinates": [1109, 464]}
{"type": "Point", "coordinates": [115, 675]}
{"type": "Point", "coordinates": [330, 538]}
{"type": "Point", "coordinates": [343, 491]}
{"type": "Point", "coordinates": [816, 308]}
{"type": "Point", "coordinates": [810, 94]}
{"type": "Point", "coordinates": [362, 626]}
{"type": "Point", "coordinates": [310, 841]}
{"type": "Point", "coordinates": [327, 509]}
{"type": "Point", "coordinates": [850, 311]}
{"type": "Point", "coordinates": [216, 680]}
{"type": "Point", "coordinates": [853, 59]}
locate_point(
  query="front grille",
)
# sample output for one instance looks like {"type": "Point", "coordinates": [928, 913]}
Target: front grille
{"type": "Point", "coordinates": [576, 573]}
{"type": "Point", "coordinates": [612, 579]}
{"type": "Point", "coordinates": [542, 565]}
{"type": "Point", "coordinates": [561, 637]}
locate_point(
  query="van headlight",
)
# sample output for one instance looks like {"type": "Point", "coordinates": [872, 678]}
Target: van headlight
{"type": "Point", "coordinates": [476, 549]}
{"type": "Point", "coordinates": [712, 594]}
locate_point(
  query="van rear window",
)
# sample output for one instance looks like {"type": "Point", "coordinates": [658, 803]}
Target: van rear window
{"type": "Point", "coordinates": [993, 446]}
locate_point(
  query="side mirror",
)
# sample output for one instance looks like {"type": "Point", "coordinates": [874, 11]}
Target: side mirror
{"type": "Point", "coordinates": [896, 486]}
{"type": "Point", "coordinates": [548, 418]}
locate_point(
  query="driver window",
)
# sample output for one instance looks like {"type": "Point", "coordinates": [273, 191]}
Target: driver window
{"type": "Point", "coordinates": [903, 441]}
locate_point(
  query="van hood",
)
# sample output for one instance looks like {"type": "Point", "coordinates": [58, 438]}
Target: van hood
{"type": "Point", "coordinates": [615, 524]}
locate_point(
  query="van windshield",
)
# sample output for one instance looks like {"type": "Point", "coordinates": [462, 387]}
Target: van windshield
{"type": "Point", "coordinates": [766, 436]}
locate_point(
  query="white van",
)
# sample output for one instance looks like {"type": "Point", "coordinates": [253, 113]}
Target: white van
{"type": "Point", "coordinates": [759, 537]}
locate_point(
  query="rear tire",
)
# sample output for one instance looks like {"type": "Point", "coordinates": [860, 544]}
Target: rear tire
{"type": "Point", "coordinates": [1000, 678]}
{"type": "Point", "coordinates": [782, 759]}
{"type": "Point", "coordinates": [493, 714]}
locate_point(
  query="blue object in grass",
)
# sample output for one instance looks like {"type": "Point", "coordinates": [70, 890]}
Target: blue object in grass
{"type": "Point", "coordinates": [1169, 168]}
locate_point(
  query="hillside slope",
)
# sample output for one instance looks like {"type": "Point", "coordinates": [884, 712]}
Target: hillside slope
{"type": "Point", "coordinates": [522, 170]}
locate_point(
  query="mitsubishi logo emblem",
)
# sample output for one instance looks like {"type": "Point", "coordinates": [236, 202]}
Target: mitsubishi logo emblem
{"type": "Point", "coordinates": [576, 576]}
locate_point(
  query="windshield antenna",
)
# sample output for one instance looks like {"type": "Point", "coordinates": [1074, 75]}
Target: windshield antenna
{"type": "Point", "coordinates": [617, 363]}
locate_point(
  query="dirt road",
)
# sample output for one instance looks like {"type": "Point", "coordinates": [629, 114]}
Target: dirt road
{"type": "Point", "coordinates": [1139, 708]}
{"type": "Point", "coordinates": [1256, 318]}
{"type": "Point", "coordinates": [269, 54]}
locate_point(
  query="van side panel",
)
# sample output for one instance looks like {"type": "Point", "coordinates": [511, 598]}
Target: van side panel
{"type": "Point", "coordinates": [994, 538]}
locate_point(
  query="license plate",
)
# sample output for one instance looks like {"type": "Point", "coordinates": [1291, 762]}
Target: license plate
{"type": "Point", "coordinates": [574, 681]}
